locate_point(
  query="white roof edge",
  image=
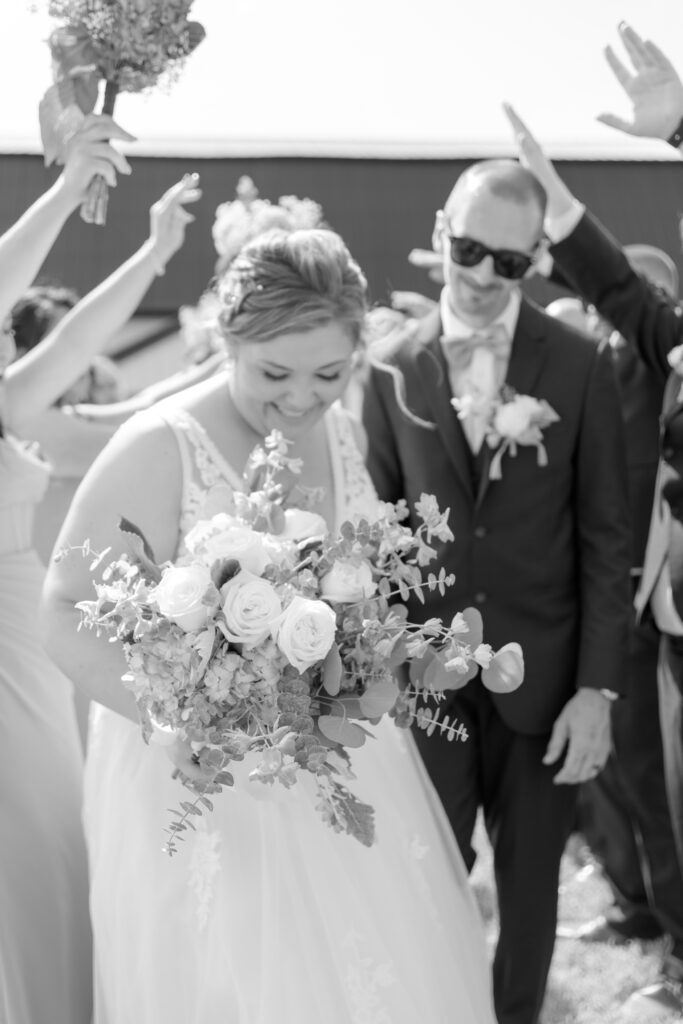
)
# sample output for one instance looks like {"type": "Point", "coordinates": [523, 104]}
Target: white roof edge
{"type": "Point", "coordinates": [207, 149]}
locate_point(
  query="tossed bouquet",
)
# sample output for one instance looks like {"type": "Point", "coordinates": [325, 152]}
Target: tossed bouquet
{"type": "Point", "coordinates": [130, 45]}
{"type": "Point", "coordinates": [271, 636]}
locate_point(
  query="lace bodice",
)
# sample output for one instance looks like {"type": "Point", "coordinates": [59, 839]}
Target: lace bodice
{"type": "Point", "coordinates": [209, 481]}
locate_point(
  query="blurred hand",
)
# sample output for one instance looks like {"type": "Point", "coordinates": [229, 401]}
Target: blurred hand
{"type": "Point", "coordinates": [90, 152]}
{"type": "Point", "coordinates": [413, 304]}
{"type": "Point", "coordinates": [531, 156]}
{"type": "Point", "coordinates": [584, 727]}
{"type": "Point", "coordinates": [653, 86]}
{"type": "Point", "coordinates": [169, 219]}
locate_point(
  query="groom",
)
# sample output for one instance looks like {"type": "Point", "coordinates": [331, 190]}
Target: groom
{"type": "Point", "coordinates": [543, 552]}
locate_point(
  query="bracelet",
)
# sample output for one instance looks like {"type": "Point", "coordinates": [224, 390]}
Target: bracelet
{"type": "Point", "coordinates": [676, 138]}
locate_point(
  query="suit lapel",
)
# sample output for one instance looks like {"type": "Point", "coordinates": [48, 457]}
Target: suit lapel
{"type": "Point", "coordinates": [527, 357]}
{"type": "Point", "coordinates": [528, 351]}
{"type": "Point", "coordinates": [432, 371]}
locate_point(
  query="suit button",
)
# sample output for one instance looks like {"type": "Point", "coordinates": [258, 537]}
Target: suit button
{"type": "Point", "coordinates": [480, 597]}
{"type": "Point", "coordinates": [480, 532]}
{"type": "Point", "coordinates": [668, 452]}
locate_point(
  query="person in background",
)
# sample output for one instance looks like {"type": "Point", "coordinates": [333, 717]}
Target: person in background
{"type": "Point", "coordinates": [541, 549]}
{"type": "Point", "coordinates": [64, 442]}
{"type": "Point", "coordinates": [45, 954]}
{"type": "Point", "coordinates": [636, 832]}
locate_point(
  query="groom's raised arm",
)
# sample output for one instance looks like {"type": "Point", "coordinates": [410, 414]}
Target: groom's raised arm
{"type": "Point", "coordinates": [596, 267]}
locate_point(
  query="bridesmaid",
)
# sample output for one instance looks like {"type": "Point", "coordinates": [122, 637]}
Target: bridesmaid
{"type": "Point", "coordinates": [45, 942]}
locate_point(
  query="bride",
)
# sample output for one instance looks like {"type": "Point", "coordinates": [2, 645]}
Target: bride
{"type": "Point", "coordinates": [265, 913]}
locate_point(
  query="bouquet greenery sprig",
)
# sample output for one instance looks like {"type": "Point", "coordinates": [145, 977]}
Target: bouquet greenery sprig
{"type": "Point", "coordinates": [129, 45]}
{"type": "Point", "coordinates": [274, 639]}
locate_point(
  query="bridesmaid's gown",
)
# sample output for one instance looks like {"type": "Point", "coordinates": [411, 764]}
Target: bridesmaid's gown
{"type": "Point", "coordinates": [45, 951]}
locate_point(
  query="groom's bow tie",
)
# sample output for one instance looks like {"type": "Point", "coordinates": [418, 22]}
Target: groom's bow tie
{"type": "Point", "coordinates": [459, 351]}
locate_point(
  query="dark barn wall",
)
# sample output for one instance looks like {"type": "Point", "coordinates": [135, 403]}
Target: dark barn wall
{"type": "Point", "coordinates": [383, 208]}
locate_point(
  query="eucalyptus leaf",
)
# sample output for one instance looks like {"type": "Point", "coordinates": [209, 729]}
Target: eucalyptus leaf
{"type": "Point", "coordinates": [379, 698]}
{"type": "Point", "coordinates": [339, 730]}
{"type": "Point", "coordinates": [332, 671]}
{"type": "Point", "coordinates": [476, 627]}
{"type": "Point", "coordinates": [506, 670]}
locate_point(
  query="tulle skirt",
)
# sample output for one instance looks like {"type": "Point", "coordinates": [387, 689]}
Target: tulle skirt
{"type": "Point", "coordinates": [45, 950]}
{"type": "Point", "coordinates": [265, 914]}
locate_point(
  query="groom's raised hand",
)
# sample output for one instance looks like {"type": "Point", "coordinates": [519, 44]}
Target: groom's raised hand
{"type": "Point", "coordinates": [584, 728]}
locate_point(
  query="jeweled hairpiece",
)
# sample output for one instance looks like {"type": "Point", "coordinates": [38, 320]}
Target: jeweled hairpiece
{"type": "Point", "coordinates": [241, 283]}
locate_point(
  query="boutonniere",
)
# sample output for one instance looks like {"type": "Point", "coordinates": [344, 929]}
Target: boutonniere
{"type": "Point", "coordinates": [675, 359]}
{"type": "Point", "coordinates": [512, 419]}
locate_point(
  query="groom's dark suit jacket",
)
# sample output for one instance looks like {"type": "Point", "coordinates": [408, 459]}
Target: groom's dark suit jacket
{"type": "Point", "coordinates": [544, 553]}
{"type": "Point", "coordinates": [594, 265]}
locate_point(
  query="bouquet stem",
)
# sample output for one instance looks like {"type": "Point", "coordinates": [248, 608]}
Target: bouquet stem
{"type": "Point", "coordinates": [94, 206]}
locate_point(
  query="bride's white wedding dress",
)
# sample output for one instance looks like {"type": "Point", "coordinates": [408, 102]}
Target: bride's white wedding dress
{"type": "Point", "coordinates": [265, 914]}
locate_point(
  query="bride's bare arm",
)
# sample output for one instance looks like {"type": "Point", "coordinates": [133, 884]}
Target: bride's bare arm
{"type": "Point", "coordinates": [138, 476]}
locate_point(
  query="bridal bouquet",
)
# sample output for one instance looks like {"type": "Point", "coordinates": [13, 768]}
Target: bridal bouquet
{"type": "Point", "coordinates": [272, 637]}
{"type": "Point", "coordinates": [130, 45]}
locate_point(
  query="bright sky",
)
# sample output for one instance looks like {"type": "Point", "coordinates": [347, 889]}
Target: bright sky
{"type": "Point", "coordinates": [369, 78]}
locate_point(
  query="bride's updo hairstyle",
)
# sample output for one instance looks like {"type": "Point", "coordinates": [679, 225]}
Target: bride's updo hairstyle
{"type": "Point", "coordinates": [290, 282]}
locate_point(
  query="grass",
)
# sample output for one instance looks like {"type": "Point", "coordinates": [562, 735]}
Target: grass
{"type": "Point", "coordinates": [588, 983]}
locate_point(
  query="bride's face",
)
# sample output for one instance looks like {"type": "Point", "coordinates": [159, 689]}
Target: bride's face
{"type": "Point", "coordinates": [287, 383]}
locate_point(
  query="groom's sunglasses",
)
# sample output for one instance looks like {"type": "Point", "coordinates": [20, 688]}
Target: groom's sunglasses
{"type": "Point", "coordinates": [508, 263]}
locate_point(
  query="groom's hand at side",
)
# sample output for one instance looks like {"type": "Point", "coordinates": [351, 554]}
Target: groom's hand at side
{"type": "Point", "coordinates": [584, 728]}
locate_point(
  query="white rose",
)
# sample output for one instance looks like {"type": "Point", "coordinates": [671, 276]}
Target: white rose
{"type": "Point", "coordinates": [513, 419]}
{"type": "Point", "coordinates": [305, 632]}
{"type": "Point", "coordinates": [180, 596]}
{"type": "Point", "coordinates": [301, 524]}
{"type": "Point", "coordinates": [347, 581]}
{"type": "Point", "coordinates": [225, 537]}
{"type": "Point", "coordinates": [250, 607]}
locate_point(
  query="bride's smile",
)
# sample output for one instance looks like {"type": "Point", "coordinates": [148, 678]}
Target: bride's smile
{"type": "Point", "coordinates": [288, 382]}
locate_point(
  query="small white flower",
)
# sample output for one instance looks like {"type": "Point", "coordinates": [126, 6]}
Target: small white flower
{"type": "Point", "coordinates": [301, 524]}
{"type": "Point", "coordinates": [224, 536]}
{"type": "Point", "coordinates": [348, 581]}
{"type": "Point", "coordinates": [513, 419]}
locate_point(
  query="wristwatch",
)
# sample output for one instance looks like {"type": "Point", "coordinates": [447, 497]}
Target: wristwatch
{"type": "Point", "coordinates": [610, 695]}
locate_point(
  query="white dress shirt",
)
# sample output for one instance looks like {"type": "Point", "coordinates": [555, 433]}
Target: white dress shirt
{"type": "Point", "coordinates": [482, 379]}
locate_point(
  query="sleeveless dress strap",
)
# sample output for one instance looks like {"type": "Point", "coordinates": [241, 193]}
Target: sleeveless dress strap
{"type": "Point", "coordinates": [356, 495]}
{"type": "Point", "coordinates": [208, 480]}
